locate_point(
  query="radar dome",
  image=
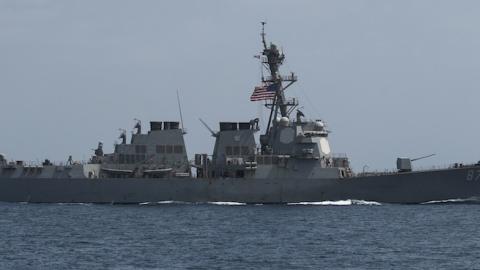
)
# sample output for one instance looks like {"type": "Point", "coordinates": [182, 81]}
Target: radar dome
{"type": "Point", "coordinates": [319, 124]}
{"type": "Point", "coordinates": [284, 121]}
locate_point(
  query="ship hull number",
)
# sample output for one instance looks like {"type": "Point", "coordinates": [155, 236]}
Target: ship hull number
{"type": "Point", "coordinates": [473, 175]}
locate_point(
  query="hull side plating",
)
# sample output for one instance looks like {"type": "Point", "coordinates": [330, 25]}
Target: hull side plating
{"type": "Point", "coordinates": [417, 187]}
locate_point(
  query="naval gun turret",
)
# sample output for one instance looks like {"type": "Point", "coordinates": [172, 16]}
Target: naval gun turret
{"type": "Point", "coordinates": [404, 164]}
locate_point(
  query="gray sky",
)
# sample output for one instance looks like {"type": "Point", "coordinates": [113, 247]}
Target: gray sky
{"type": "Point", "coordinates": [391, 78]}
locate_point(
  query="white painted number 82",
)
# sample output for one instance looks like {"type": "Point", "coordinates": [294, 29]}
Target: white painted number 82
{"type": "Point", "coordinates": [472, 176]}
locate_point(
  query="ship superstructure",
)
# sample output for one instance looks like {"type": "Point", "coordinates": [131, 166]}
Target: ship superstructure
{"type": "Point", "coordinates": [292, 146]}
{"type": "Point", "coordinates": [160, 153]}
{"type": "Point", "coordinates": [157, 154]}
{"type": "Point", "coordinates": [302, 145]}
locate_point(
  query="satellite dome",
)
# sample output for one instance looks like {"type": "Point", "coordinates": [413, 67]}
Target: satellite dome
{"type": "Point", "coordinates": [284, 121]}
{"type": "Point", "coordinates": [319, 124]}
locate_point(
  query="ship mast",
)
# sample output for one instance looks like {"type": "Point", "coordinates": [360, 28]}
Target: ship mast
{"type": "Point", "coordinates": [272, 59]}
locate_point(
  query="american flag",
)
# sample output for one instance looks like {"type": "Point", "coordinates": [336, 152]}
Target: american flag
{"type": "Point", "coordinates": [263, 92]}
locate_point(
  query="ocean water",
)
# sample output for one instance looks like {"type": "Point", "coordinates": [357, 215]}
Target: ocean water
{"type": "Point", "coordinates": [169, 235]}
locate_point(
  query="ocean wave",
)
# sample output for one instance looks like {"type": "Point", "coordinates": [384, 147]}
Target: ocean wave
{"type": "Point", "coordinates": [145, 203]}
{"type": "Point", "coordinates": [325, 203]}
{"type": "Point", "coordinates": [338, 203]}
{"type": "Point", "coordinates": [198, 203]}
{"type": "Point", "coordinates": [457, 201]}
{"type": "Point", "coordinates": [164, 202]}
{"type": "Point", "coordinates": [227, 203]}
{"type": "Point", "coordinates": [362, 202]}
{"type": "Point", "coordinates": [70, 203]}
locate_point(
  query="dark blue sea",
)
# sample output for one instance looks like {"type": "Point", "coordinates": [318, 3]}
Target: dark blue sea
{"type": "Point", "coordinates": [340, 235]}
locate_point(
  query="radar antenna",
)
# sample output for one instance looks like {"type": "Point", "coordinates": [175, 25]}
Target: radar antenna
{"type": "Point", "coordinates": [272, 58]}
{"type": "Point", "coordinates": [138, 126]}
{"type": "Point", "coordinates": [99, 150]}
{"type": "Point", "coordinates": [123, 135]}
{"type": "Point", "coordinates": [263, 35]}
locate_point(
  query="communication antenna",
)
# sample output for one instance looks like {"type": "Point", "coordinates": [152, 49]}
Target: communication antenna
{"type": "Point", "coordinates": [138, 126]}
{"type": "Point", "coordinates": [180, 110]}
{"type": "Point", "coordinates": [263, 35]}
{"type": "Point", "coordinates": [123, 135]}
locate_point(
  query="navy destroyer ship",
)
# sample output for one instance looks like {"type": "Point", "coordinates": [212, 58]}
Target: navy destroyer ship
{"type": "Point", "coordinates": [292, 162]}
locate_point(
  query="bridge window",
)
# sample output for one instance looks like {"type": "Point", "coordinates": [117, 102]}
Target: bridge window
{"type": "Point", "coordinates": [229, 150]}
{"type": "Point", "coordinates": [245, 151]}
{"type": "Point", "coordinates": [140, 149]}
{"type": "Point", "coordinates": [160, 149]}
{"type": "Point", "coordinates": [169, 149]}
{"type": "Point", "coordinates": [178, 149]}
{"type": "Point", "coordinates": [236, 150]}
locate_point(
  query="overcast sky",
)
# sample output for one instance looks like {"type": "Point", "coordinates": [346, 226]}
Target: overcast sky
{"type": "Point", "coordinates": [390, 78]}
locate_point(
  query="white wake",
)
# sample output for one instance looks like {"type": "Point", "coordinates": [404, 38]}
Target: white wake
{"type": "Point", "coordinates": [338, 203]}
{"type": "Point", "coordinates": [469, 200]}
{"type": "Point", "coordinates": [227, 203]}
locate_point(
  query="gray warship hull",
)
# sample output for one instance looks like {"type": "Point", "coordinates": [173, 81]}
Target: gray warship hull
{"type": "Point", "coordinates": [411, 187]}
{"type": "Point", "coordinates": [292, 163]}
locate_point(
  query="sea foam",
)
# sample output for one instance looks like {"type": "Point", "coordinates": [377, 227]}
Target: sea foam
{"type": "Point", "coordinates": [338, 203]}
